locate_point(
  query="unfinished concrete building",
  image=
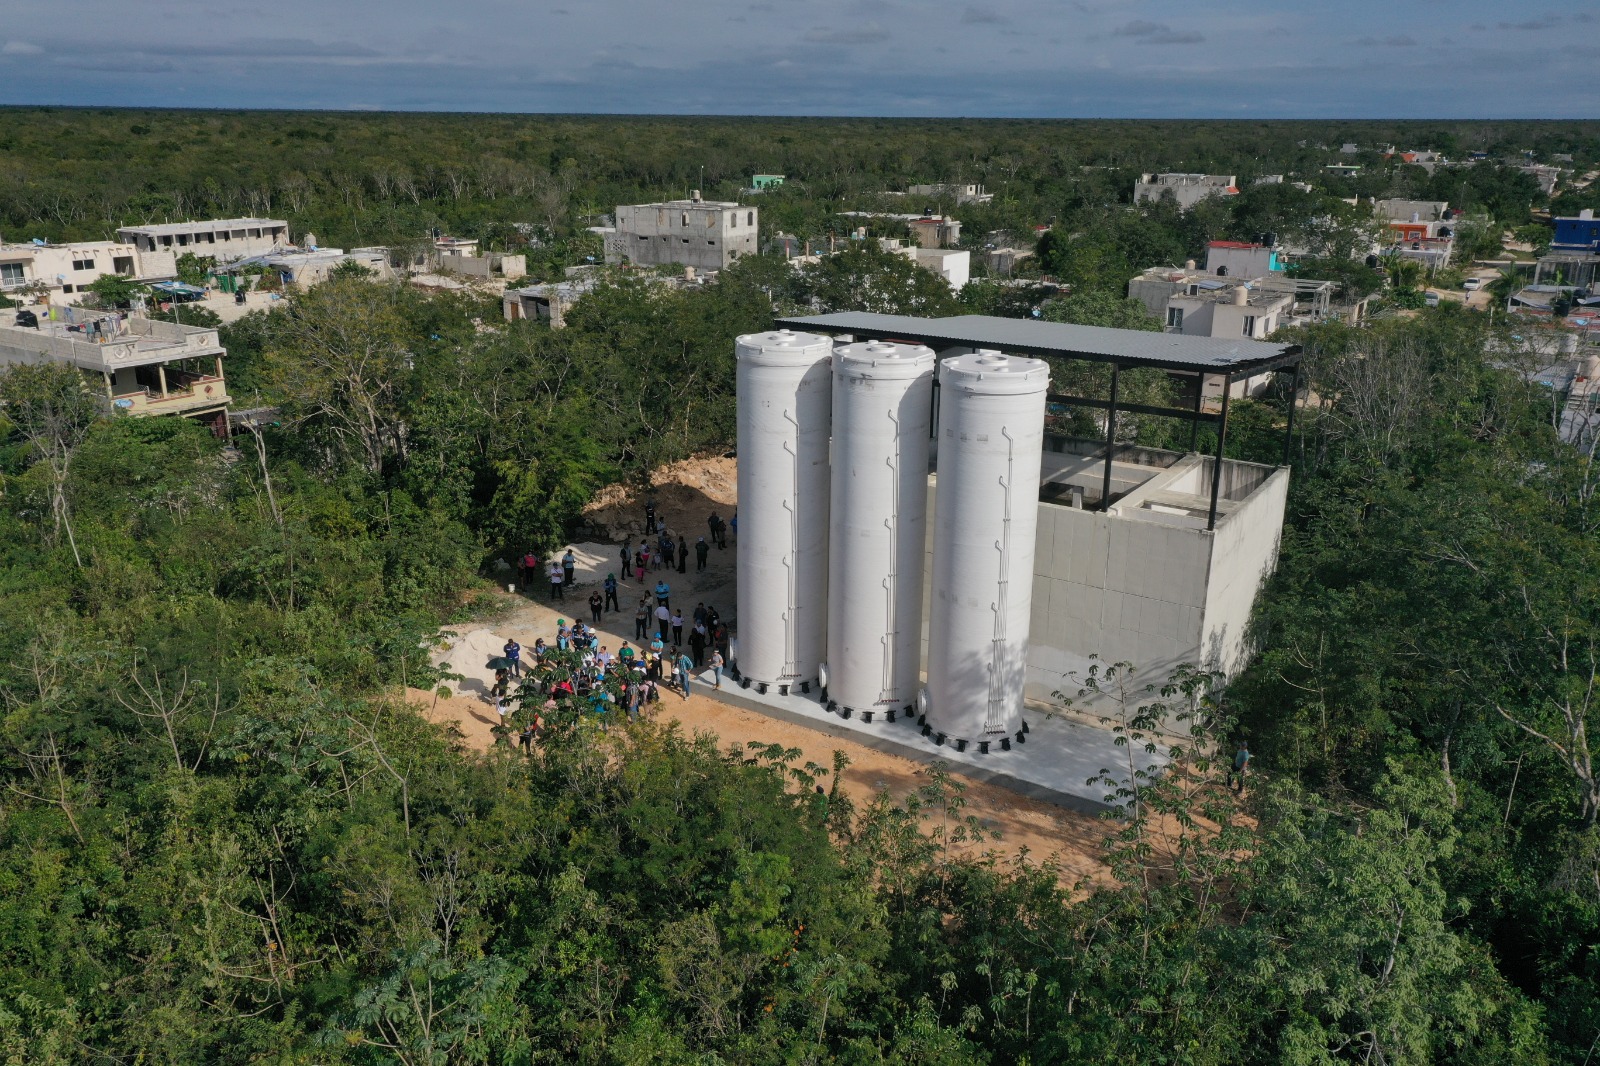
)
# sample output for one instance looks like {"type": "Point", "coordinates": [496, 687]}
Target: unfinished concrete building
{"type": "Point", "coordinates": [1186, 189]}
{"type": "Point", "coordinates": [704, 234]}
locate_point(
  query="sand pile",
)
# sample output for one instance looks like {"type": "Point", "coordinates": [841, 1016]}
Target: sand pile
{"type": "Point", "coordinates": [685, 493]}
{"type": "Point", "coordinates": [465, 654]}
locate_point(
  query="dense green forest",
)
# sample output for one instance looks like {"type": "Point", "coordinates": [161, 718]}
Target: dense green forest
{"type": "Point", "coordinates": [220, 841]}
{"type": "Point", "coordinates": [360, 179]}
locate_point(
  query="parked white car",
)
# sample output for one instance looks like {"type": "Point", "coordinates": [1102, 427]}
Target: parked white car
{"type": "Point", "coordinates": [1472, 284]}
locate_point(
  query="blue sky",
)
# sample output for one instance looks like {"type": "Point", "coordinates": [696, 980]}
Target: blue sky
{"type": "Point", "coordinates": [1044, 58]}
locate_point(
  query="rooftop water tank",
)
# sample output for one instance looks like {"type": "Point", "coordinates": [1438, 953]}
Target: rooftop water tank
{"type": "Point", "coordinates": [785, 400]}
{"type": "Point", "coordinates": [882, 416]}
{"type": "Point", "coordinates": [991, 440]}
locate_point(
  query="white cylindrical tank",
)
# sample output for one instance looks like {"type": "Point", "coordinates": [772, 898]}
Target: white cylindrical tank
{"type": "Point", "coordinates": [991, 430]}
{"type": "Point", "coordinates": [882, 414]}
{"type": "Point", "coordinates": [785, 400]}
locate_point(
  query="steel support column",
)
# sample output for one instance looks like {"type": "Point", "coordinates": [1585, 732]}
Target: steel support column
{"type": "Point", "coordinates": [1111, 439]}
{"type": "Point", "coordinates": [1222, 440]}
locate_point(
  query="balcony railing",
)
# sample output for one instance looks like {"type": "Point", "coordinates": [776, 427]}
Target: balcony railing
{"type": "Point", "coordinates": [194, 391]}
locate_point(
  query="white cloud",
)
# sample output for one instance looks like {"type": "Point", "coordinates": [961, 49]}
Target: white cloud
{"type": "Point", "coordinates": [21, 48]}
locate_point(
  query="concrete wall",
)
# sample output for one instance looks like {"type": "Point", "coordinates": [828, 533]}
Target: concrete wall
{"type": "Point", "coordinates": [954, 267]}
{"type": "Point", "coordinates": [1244, 555]}
{"type": "Point", "coordinates": [509, 267]}
{"type": "Point", "coordinates": [1152, 591]}
{"type": "Point", "coordinates": [1118, 588]}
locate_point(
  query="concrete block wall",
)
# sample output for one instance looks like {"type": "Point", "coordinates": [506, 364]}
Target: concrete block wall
{"type": "Point", "coordinates": [1245, 553]}
{"type": "Point", "coordinates": [1118, 588]}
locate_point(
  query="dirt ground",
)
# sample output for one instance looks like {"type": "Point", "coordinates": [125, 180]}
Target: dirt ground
{"type": "Point", "coordinates": [1071, 839]}
{"type": "Point", "coordinates": [685, 493]}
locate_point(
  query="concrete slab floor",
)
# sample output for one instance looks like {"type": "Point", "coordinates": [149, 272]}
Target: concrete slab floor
{"type": "Point", "coordinates": [1054, 763]}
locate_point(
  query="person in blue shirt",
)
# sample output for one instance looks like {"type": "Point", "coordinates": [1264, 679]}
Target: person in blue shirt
{"type": "Point", "coordinates": [663, 594]}
{"type": "Point", "coordinates": [611, 593]}
{"type": "Point", "coordinates": [684, 664]}
{"type": "Point", "coordinates": [513, 652]}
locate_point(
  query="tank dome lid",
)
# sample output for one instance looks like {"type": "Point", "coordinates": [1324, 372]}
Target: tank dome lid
{"type": "Point", "coordinates": [783, 347]}
{"type": "Point", "coordinates": [990, 371]}
{"type": "Point", "coordinates": [883, 359]}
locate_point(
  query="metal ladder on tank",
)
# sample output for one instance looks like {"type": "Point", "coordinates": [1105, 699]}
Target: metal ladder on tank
{"type": "Point", "coordinates": [994, 721]}
{"type": "Point", "coordinates": [891, 583]}
{"type": "Point", "coordinates": [792, 505]}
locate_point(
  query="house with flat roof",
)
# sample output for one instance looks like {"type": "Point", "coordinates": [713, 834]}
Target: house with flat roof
{"type": "Point", "coordinates": [307, 267]}
{"type": "Point", "coordinates": [1242, 259]}
{"type": "Point", "coordinates": [704, 234]}
{"type": "Point", "coordinates": [67, 270]}
{"type": "Point", "coordinates": [961, 194]}
{"type": "Point", "coordinates": [1577, 233]}
{"type": "Point", "coordinates": [141, 366]}
{"type": "Point", "coordinates": [222, 239]}
{"type": "Point", "coordinates": [1400, 210]}
{"type": "Point", "coordinates": [1186, 189]}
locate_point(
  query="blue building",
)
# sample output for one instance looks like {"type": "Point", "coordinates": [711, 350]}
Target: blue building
{"type": "Point", "coordinates": [1581, 234]}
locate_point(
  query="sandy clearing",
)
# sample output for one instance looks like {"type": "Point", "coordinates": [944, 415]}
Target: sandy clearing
{"type": "Point", "coordinates": [1046, 832]}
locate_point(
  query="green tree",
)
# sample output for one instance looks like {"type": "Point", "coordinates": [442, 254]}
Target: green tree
{"type": "Point", "coordinates": [51, 407]}
{"type": "Point", "coordinates": [864, 277]}
{"type": "Point", "coordinates": [192, 270]}
{"type": "Point", "coordinates": [341, 362]}
{"type": "Point", "coordinates": [114, 290]}
{"type": "Point", "coordinates": [1097, 307]}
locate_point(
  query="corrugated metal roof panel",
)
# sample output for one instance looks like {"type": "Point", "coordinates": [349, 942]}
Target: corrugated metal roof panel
{"type": "Point", "coordinates": [1172, 351]}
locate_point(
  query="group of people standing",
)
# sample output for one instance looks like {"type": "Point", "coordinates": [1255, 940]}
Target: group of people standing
{"type": "Point", "coordinates": [656, 548]}
{"type": "Point", "coordinates": [580, 672]}
{"type": "Point", "coordinates": [577, 667]}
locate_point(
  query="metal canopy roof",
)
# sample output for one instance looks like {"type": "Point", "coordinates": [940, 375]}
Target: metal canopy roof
{"type": "Point", "coordinates": [1125, 347]}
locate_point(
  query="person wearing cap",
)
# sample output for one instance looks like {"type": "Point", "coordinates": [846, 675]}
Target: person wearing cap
{"type": "Point", "coordinates": [569, 565]}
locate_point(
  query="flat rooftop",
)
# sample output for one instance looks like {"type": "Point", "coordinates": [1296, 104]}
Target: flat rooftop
{"type": "Point", "coordinates": [138, 342]}
{"type": "Point", "coordinates": [1126, 347]}
{"type": "Point", "coordinates": [173, 228]}
{"type": "Point", "coordinates": [698, 204]}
